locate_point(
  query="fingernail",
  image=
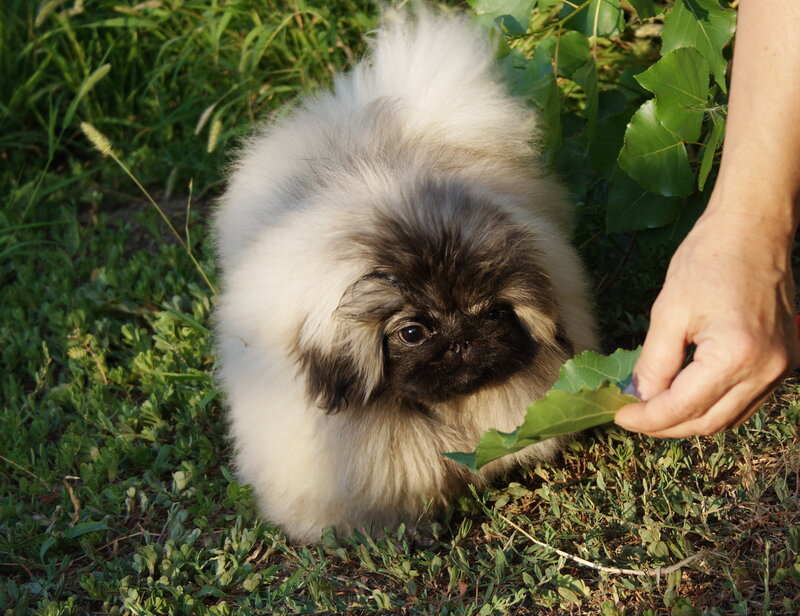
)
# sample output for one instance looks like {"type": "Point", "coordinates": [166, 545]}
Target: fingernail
{"type": "Point", "coordinates": [632, 390]}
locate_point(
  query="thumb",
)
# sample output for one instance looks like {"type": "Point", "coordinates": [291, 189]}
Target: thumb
{"type": "Point", "coordinates": [662, 357]}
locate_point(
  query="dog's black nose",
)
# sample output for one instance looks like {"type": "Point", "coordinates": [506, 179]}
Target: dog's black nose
{"type": "Point", "coordinates": [458, 350]}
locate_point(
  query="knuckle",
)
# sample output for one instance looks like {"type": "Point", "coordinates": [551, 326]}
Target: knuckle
{"type": "Point", "coordinates": [753, 357]}
{"type": "Point", "coordinates": [744, 351]}
{"type": "Point", "coordinates": [779, 364]}
{"type": "Point", "coordinates": [658, 311]}
{"type": "Point", "coordinates": [775, 369]}
{"type": "Point", "coordinates": [747, 344]}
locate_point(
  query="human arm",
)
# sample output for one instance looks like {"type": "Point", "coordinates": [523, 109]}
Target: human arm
{"type": "Point", "coordinates": [729, 287]}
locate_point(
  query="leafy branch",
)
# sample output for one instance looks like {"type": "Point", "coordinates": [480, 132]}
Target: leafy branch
{"type": "Point", "coordinates": [649, 127]}
{"type": "Point", "coordinates": [589, 390]}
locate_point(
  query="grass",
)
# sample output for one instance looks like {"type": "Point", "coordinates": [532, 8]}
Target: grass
{"type": "Point", "coordinates": [115, 492]}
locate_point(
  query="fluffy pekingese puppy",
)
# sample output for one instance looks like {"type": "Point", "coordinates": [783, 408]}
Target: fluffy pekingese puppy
{"type": "Point", "coordinates": [397, 280]}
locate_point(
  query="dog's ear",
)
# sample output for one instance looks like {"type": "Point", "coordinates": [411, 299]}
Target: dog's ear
{"type": "Point", "coordinates": [332, 382]}
{"type": "Point", "coordinates": [539, 324]}
{"type": "Point", "coordinates": [350, 370]}
{"type": "Point", "coordinates": [530, 293]}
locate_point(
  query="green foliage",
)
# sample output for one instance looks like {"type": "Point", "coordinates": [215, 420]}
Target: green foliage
{"type": "Point", "coordinates": [591, 370]}
{"type": "Point", "coordinates": [177, 82]}
{"type": "Point", "coordinates": [680, 84]}
{"type": "Point", "coordinates": [632, 103]}
{"type": "Point", "coordinates": [645, 8]}
{"type": "Point", "coordinates": [555, 414]}
{"type": "Point", "coordinates": [631, 207]}
{"type": "Point", "coordinates": [655, 156]}
{"type": "Point", "coordinates": [702, 25]}
{"type": "Point", "coordinates": [511, 17]}
{"type": "Point", "coordinates": [640, 157]}
{"type": "Point", "coordinates": [595, 18]}
{"type": "Point", "coordinates": [587, 394]}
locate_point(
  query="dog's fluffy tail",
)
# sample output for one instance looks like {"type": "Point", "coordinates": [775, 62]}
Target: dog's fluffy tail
{"type": "Point", "coordinates": [438, 68]}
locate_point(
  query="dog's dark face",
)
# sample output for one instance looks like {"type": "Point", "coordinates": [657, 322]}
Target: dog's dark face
{"type": "Point", "coordinates": [454, 300]}
{"type": "Point", "coordinates": [434, 356]}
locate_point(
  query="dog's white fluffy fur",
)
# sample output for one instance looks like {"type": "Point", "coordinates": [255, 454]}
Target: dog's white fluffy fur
{"type": "Point", "coordinates": [284, 226]}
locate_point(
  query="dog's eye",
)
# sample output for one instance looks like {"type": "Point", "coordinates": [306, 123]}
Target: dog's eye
{"type": "Point", "coordinates": [497, 312]}
{"type": "Point", "coordinates": [412, 335]}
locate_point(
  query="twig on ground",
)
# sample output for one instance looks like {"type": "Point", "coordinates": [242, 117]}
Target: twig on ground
{"type": "Point", "coordinates": [653, 572]}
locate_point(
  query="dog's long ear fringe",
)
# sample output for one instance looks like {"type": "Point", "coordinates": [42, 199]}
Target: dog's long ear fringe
{"type": "Point", "coordinates": [332, 383]}
{"type": "Point", "coordinates": [350, 372]}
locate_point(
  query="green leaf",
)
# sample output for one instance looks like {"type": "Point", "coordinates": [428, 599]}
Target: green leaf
{"type": "Point", "coordinates": [536, 82]}
{"type": "Point", "coordinates": [542, 61]}
{"type": "Point", "coordinates": [673, 234]}
{"type": "Point", "coordinates": [586, 78]}
{"type": "Point", "coordinates": [704, 25]}
{"type": "Point", "coordinates": [646, 8]}
{"type": "Point", "coordinates": [83, 528]}
{"type": "Point", "coordinates": [519, 72]}
{"type": "Point", "coordinates": [591, 370]}
{"type": "Point", "coordinates": [611, 103]}
{"type": "Point", "coordinates": [612, 120]}
{"type": "Point", "coordinates": [186, 319]}
{"type": "Point", "coordinates": [46, 545]}
{"type": "Point", "coordinates": [559, 412]}
{"type": "Point", "coordinates": [464, 458]}
{"type": "Point", "coordinates": [129, 23]}
{"type": "Point", "coordinates": [710, 149]}
{"type": "Point", "coordinates": [573, 52]}
{"type": "Point", "coordinates": [548, 99]}
{"type": "Point", "coordinates": [600, 18]}
{"type": "Point", "coordinates": [654, 156]}
{"type": "Point", "coordinates": [631, 207]}
{"type": "Point", "coordinates": [85, 88]}
{"type": "Point", "coordinates": [568, 595]}
{"type": "Point", "coordinates": [679, 81]}
{"type": "Point", "coordinates": [570, 406]}
{"type": "Point", "coordinates": [512, 16]}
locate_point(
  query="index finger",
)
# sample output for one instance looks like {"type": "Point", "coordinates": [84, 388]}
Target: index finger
{"type": "Point", "coordinates": [689, 396]}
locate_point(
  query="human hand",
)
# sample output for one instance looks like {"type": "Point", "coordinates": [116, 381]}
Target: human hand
{"type": "Point", "coordinates": [729, 291]}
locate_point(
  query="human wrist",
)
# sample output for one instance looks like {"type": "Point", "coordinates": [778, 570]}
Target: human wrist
{"type": "Point", "coordinates": [760, 206]}
{"type": "Point", "coordinates": [738, 231]}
